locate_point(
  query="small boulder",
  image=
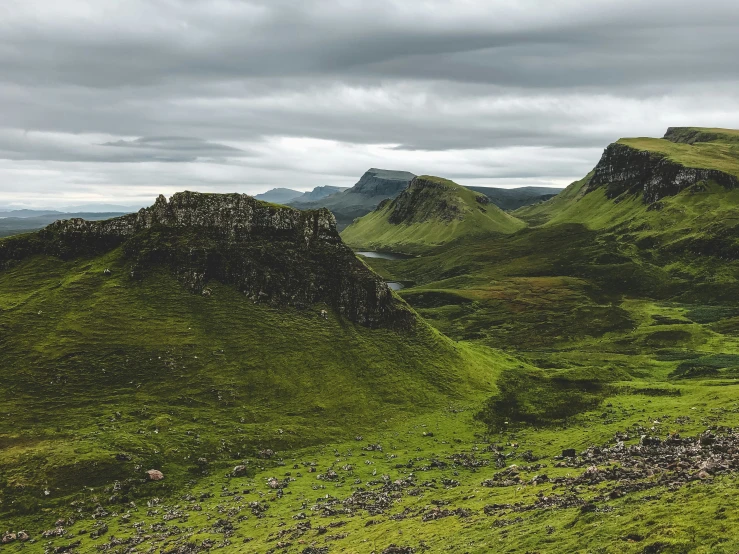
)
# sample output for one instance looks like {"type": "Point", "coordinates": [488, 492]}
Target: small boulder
{"type": "Point", "coordinates": [646, 440]}
{"type": "Point", "coordinates": [155, 475]}
{"type": "Point", "coordinates": [569, 453]}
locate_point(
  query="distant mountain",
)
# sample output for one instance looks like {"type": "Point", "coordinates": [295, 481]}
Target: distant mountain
{"type": "Point", "coordinates": [15, 225]}
{"type": "Point", "coordinates": [278, 195]}
{"type": "Point", "coordinates": [430, 212]}
{"type": "Point", "coordinates": [318, 193]}
{"type": "Point", "coordinates": [512, 199]}
{"type": "Point", "coordinates": [20, 214]}
{"type": "Point", "coordinates": [375, 186]}
{"type": "Point", "coordinates": [95, 207]}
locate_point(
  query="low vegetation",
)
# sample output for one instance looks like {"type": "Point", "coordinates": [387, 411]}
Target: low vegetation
{"type": "Point", "coordinates": [569, 387]}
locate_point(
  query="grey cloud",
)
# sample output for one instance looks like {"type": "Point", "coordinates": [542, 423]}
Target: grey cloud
{"type": "Point", "coordinates": [176, 149]}
{"type": "Point", "coordinates": [240, 90]}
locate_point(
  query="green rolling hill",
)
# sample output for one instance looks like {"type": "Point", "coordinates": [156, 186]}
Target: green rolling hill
{"type": "Point", "coordinates": [207, 327]}
{"type": "Point", "coordinates": [431, 212]}
{"type": "Point", "coordinates": [295, 404]}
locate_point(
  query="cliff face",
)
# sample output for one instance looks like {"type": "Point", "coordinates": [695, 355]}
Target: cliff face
{"type": "Point", "coordinates": [626, 169]}
{"type": "Point", "coordinates": [273, 254]}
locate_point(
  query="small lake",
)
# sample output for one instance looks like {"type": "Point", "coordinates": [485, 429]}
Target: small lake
{"type": "Point", "coordinates": [385, 255]}
{"type": "Point", "coordinates": [395, 285]}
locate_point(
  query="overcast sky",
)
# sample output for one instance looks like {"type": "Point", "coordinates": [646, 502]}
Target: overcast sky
{"type": "Point", "coordinates": [119, 100]}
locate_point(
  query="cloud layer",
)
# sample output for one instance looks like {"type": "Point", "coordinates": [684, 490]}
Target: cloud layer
{"type": "Point", "coordinates": [119, 101]}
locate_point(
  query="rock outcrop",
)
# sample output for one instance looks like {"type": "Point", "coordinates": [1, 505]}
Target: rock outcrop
{"type": "Point", "coordinates": [273, 254]}
{"type": "Point", "coordinates": [624, 169]}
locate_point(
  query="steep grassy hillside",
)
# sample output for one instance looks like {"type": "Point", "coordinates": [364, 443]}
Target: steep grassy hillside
{"type": "Point", "coordinates": [431, 212]}
{"type": "Point", "coordinates": [689, 175]}
{"type": "Point", "coordinates": [123, 356]}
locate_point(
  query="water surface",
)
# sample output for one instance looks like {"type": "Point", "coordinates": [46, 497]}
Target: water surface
{"type": "Point", "coordinates": [385, 255]}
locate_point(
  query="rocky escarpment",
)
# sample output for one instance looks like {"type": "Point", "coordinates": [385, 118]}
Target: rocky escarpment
{"type": "Point", "coordinates": [273, 254]}
{"type": "Point", "coordinates": [624, 169]}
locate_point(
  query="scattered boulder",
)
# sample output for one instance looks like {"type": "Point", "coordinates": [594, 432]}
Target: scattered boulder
{"type": "Point", "coordinates": [315, 550]}
{"type": "Point", "coordinates": [395, 549]}
{"type": "Point", "coordinates": [646, 440]}
{"type": "Point", "coordinates": [155, 475]}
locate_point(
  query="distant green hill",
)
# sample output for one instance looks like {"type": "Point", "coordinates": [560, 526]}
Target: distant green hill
{"type": "Point", "coordinates": [432, 211]}
{"type": "Point", "coordinates": [206, 327]}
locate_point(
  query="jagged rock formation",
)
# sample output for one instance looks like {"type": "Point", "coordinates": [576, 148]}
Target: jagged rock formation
{"type": "Point", "coordinates": [623, 168]}
{"type": "Point", "coordinates": [271, 253]}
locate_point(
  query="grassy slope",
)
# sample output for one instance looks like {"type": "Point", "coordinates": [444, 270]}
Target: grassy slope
{"type": "Point", "coordinates": [690, 210]}
{"type": "Point", "coordinates": [721, 154]}
{"type": "Point", "coordinates": [94, 366]}
{"type": "Point", "coordinates": [427, 230]}
{"type": "Point", "coordinates": [699, 518]}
